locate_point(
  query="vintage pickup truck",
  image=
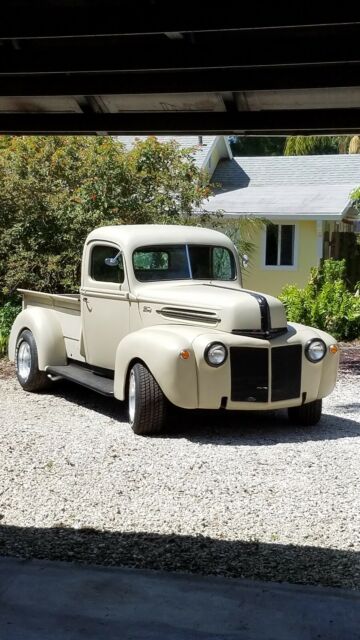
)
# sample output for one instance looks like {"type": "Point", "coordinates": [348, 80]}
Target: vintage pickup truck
{"type": "Point", "coordinates": [162, 319]}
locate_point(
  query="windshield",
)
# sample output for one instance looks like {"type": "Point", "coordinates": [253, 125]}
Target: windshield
{"type": "Point", "coordinates": [183, 262]}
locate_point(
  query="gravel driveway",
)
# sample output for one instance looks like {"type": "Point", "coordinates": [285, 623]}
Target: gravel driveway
{"type": "Point", "coordinates": [238, 495]}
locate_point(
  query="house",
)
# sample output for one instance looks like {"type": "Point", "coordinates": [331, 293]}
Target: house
{"type": "Point", "coordinates": [305, 198]}
{"type": "Point", "coordinates": [208, 150]}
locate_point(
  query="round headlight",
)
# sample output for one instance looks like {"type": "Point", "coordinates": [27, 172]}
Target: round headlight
{"type": "Point", "coordinates": [315, 350]}
{"type": "Point", "coordinates": [215, 354]}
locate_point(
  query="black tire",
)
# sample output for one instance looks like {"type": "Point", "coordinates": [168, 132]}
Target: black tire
{"type": "Point", "coordinates": [147, 414]}
{"type": "Point", "coordinates": [306, 415]}
{"type": "Point", "coordinates": [35, 380]}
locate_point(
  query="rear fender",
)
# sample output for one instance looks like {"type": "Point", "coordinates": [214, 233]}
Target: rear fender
{"type": "Point", "coordinates": [47, 332]}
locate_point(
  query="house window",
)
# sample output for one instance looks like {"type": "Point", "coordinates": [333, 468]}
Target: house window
{"type": "Point", "coordinates": [280, 245]}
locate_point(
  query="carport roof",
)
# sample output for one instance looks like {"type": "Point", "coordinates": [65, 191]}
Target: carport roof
{"type": "Point", "coordinates": [74, 66]}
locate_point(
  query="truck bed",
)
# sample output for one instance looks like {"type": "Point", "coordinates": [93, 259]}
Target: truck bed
{"type": "Point", "coordinates": [53, 300]}
{"type": "Point", "coordinates": [68, 311]}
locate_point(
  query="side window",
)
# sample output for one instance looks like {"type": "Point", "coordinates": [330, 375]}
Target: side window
{"type": "Point", "coordinates": [223, 266]}
{"type": "Point", "coordinates": [102, 272]}
{"type": "Point", "coordinates": [212, 263]}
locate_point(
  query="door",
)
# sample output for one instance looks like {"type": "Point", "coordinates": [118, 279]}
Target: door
{"type": "Point", "coordinates": [104, 304]}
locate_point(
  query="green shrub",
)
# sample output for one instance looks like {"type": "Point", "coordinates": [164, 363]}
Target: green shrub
{"type": "Point", "coordinates": [54, 190]}
{"type": "Point", "coordinates": [8, 314]}
{"type": "Point", "coordinates": [326, 302]}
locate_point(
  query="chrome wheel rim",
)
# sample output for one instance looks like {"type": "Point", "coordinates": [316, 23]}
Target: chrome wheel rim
{"type": "Point", "coordinates": [24, 361]}
{"type": "Point", "coordinates": [132, 391]}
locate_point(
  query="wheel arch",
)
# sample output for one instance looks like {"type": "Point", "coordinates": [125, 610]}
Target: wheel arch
{"type": "Point", "coordinates": [127, 374]}
{"type": "Point", "coordinates": [159, 352]}
{"type": "Point", "coordinates": [47, 333]}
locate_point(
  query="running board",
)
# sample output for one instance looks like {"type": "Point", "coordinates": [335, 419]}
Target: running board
{"type": "Point", "coordinates": [85, 377]}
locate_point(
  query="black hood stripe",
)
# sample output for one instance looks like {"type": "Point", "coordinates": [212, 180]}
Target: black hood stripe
{"type": "Point", "coordinates": [265, 316]}
{"type": "Point", "coordinates": [264, 312]}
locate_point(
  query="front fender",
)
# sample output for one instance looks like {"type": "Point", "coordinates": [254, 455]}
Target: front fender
{"type": "Point", "coordinates": [47, 332]}
{"type": "Point", "coordinates": [159, 349]}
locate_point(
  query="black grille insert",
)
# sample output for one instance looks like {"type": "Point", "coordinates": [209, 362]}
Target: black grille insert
{"type": "Point", "coordinates": [286, 372]}
{"type": "Point", "coordinates": [249, 374]}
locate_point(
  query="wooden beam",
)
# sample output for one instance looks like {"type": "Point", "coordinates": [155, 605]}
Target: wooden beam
{"type": "Point", "coordinates": [46, 19]}
{"type": "Point", "coordinates": [322, 121]}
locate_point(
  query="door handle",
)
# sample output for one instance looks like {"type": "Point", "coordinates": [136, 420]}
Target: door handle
{"type": "Point", "coordinates": [89, 307]}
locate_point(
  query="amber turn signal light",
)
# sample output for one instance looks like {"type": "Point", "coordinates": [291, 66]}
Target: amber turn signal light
{"type": "Point", "coordinates": [333, 348]}
{"type": "Point", "coordinates": [185, 355]}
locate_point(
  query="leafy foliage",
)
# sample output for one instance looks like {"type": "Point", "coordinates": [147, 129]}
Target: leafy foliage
{"type": "Point", "coordinates": [326, 302]}
{"type": "Point", "coordinates": [257, 146]}
{"type": "Point", "coordinates": [55, 190]}
{"type": "Point", "coordinates": [354, 144]}
{"type": "Point", "coordinates": [318, 145]}
{"type": "Point", "coordinates": [293, 145]}
{"type": "Point", "coordinates": [8, 314]}
{"type": "Point", "coordinates": [311, 145]}
{"type": "Point", "coordinates": [243, 232]}
{"type": "Point", "coordinates": [355, 197]}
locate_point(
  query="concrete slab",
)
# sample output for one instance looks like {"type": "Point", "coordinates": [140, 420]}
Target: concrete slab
{"type": "Point", "coordinates": [43, 600]}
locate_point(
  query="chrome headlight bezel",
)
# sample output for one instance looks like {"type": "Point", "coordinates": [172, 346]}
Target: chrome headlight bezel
{"type": "Point", "coordinates": [308, 350]}
{"type": "Point", "coordinates": [208, 349]}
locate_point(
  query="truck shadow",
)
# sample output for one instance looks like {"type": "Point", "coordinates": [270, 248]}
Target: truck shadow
{"type": "Point", "coordinates": [225, 428]}
{"type": "Point", "coordinates": [259, 429]}
{"type": "Point", "coordinates": [197, 554]}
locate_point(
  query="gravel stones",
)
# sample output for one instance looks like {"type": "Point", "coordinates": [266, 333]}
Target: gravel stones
{"type": "Point", "coordinates": [235, 495]}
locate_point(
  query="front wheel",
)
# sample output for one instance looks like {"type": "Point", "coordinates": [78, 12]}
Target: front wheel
{"type": "Point", "coordinates": [26, 363]}
{"type": "Point", "coordinates": [147, 403]}
{"type": "Point", "coordinates": [306, 415]}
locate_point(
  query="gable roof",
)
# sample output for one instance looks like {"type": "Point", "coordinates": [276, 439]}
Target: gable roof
{"type": "Point", "coordinates": [201, 151]}
{"type": "Point", "coordinates": [310, 187]}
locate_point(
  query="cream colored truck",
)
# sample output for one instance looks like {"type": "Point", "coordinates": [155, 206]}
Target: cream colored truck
{"type": "Point", "coordinates": [162, 319]}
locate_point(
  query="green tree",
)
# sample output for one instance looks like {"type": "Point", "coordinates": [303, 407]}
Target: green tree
{"type": "Point", "coordinates": [257, 145]}
{"type": "Point", "coordinates": [311, 145]}
{"type": "Point", "coordinates": [318, 145]}
{"type": "Point", "coordinates": [354, 144]}
{"type": "Point", "coordinates": [54, 190]}
{"type": "Point", "coordinates": [355, 197]}
{"type": "Point", "coordinates": [293, 145]}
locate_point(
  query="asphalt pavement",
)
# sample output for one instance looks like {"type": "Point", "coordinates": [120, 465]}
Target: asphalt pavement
{"type": "Point", "coordinates": [43, 600]}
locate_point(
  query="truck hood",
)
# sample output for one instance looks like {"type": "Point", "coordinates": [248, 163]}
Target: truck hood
{"type": "Point", "coordinates": [226, 307]}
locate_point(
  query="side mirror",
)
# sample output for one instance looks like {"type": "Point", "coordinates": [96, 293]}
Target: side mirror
{"type": "Point", "coordinates": [244, 260]}
{"type": "Point", "coordinates": [113, 262]}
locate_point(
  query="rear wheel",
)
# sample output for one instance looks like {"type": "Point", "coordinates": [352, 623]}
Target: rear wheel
{"type": "Point", "coordinates": [306, 415]}
{"type": "Point", "coordinates": [26, 363]}
{"type": "Point", "coordinates": [147, 403]}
